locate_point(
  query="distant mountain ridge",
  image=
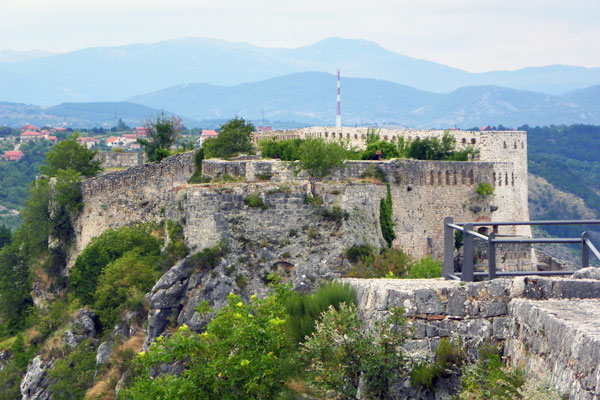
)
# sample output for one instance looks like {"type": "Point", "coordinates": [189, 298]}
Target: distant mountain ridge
{"type": "Point", "coordinates": [114, 73]}
{"type": "Point", "coordinates": [309, 98]}
{"type": "Point", "coordinates": [80, 115]}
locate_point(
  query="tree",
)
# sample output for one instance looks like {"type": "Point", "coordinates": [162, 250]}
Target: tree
{"type": "Point", "coordinates": [319, 158]}
{"type": "Point", "coordinates": [235, 137]}
{"type": "Point", "coordinates": [70, 154]}
{"type": "Point", "coordinates": [162, 134]}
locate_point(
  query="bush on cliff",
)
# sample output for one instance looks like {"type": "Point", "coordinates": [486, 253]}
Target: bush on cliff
{"type": "Point", "coordinates": [103, 250]}
{"type": "Point", "coordinates": [243, 354]}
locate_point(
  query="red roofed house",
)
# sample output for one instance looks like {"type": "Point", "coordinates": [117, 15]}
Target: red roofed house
{"type": "Point", "coordinates": [52, 139]}
{"type": "Point", "coordinates": [140, 131]}
{"type": "Point", "coordinates": [130, 136]}
{"type": "Point", "coordinates": [15, 155]}
{"type": "Point", "coordinates": [206, 134]}
{"type": "Point", "coordinates": [114, 141]}
{"type": "Point", "coordinates": [31, 135]}
{"type": "Point", "coordinates": [264, 129]}
{"type": "Point", "coordinates": [88, 142]}
{"type": "Point", "coordinates": [29, 127]}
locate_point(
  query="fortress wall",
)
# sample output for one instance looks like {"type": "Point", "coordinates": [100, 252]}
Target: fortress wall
{"type": "Point", "coordinates": [115, 159]}
{"type": "Point", "coordinates": [143, 193]}
{"type": "Point", "coordinates": [549, 325]}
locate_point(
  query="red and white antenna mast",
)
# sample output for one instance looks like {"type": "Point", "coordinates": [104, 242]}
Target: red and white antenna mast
{"type": "Point", "coordinates": [338, 114]}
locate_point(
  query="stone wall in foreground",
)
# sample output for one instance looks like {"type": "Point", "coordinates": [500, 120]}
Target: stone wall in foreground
{"type": "Point", "coordinates": [550, 326]}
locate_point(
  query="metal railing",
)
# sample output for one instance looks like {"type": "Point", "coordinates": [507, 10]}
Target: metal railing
{"type": "Point", "coordinates": [468, 274]}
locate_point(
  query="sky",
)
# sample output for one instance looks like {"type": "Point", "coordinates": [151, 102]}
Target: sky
{"type": "Point", "coordinates": [475, 35]}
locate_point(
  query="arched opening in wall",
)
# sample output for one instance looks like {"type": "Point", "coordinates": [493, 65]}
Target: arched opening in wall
{"type": "Point", "coordinates": [455, 178]}
{"type": "Point", "coordinates": [504, 144]}
{"type": "Point", "coordinates": [431, 182]}
{"type": "Point", "coordinates": [494, 178]}
{"type": "Point", "coordinates": [347, 135]}
{"type": "Point", "coordinates": [463, 177]}
{"type": "Point", "coordinates": [512, 179]}
{"type": "Point", "coordinates": [482, 230]}
{"type": "Point", "coordinates": [355, 136]}
{"type": "Point", "coordinates": [473, 141]}
{"type": "Point", "coordinates": [515, 145]}
{"type": "Point", "coordinates": [393, 138]}
{"type": "Point", "coordinates": [522, 145]}
{"type": "Point", "coordinates": [463, 140]}
{"type": "Point", "coordinates": [362, 136]}
{"type": "Point", "coordinates": [447, 177]}
{"type": "Point", "coordinates": [439, 178]}
{"type": "Point", "coordinates": [471, 177]}
{"type": "Point", "coordinates": [333, 135]}
{"type": "Point", "coordinates": [500, 179]}
{"type": "Point", "coordinates": [409, 138]}
{"type": "Point", "coordinates": [506, 178]}
{"type": "Point", "coordinates": [385, 137]}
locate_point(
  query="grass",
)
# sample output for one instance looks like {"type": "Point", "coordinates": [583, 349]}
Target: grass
{"type": "Point", "coordinates": [255, 201]}
{"type": "Point", "coordinates": [304, 310]}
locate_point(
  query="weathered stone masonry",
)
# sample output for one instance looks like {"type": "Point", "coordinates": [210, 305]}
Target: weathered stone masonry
{"type": "Point", "coordinates": [549, 326]}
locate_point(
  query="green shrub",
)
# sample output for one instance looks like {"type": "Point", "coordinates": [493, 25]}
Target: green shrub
{"type": "Point", "coordinates": [316, 200]}
{"type": "Point", "coordinates": [490, 379]}
{"type": "Point", "coordinates": [255, 201]}
{"type": "Point", "coordinates": [425, 268]}
{"type": "Point", "coordinates": [360, 252]}
{"type": "Point", "coordinates": [208, 258]}
{"type": "Point", "coordinates": [105, 249]}
{"type": "Point", "coordinates": [243, 354]}
{"type": "Point", "coordinates": [197, 175]}
{"type": "Point", "coordinates": [123, 284]}
{"type": "Point", "coordinates": [485, 189]}
{"type": "Point", "coordinates": [374, 172]}
{"type": "Point", "coordinates": [176, 248]}
{"type": "Point", "coordinates": [448, 359]}
{"type": "Point", "coordinates": [380, 265]}
{"type": "Point", "coordinates": [72, 377]}
{"type": "Point", "coordinates": [263, 177]}
{"type": "Point", "coordinates": [336, 214]}
{"type": "Point", "coordinates": [304, 309]}
{"type": "Point", "coordinates": [241, 281]}
{"type": "Point", "coordinates": [342, 352]}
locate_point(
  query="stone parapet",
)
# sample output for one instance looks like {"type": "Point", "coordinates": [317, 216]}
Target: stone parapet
{"type": "Point", "coordinates": [550, 326]}
{"type": "Point", "coordinates": [559, 339]}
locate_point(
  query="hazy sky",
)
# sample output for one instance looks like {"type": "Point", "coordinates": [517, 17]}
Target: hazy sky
{"type": "Point", "coordinates": [476, 35]}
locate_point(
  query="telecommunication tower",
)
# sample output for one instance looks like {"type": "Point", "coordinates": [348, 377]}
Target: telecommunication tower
{"type": "Point", "coordinates": [338, 114]}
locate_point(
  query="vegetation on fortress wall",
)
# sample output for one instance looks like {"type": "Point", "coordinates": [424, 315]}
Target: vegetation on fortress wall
{"type": "Point", "coordinates": [420, 149]}
{"type": "Point", "coordinates": [235, 137]}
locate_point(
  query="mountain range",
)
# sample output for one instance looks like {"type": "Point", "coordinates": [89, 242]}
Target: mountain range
{"type": "Point", "coordinates": [309, 97]}
{"type": "Point", "coordinates": [114, 73]}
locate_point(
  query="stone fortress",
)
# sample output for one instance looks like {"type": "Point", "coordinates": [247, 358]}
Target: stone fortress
{"type": "Point", "coordinates": [423, 192]}
{"type": "Point", "coordinates": [547, 325]}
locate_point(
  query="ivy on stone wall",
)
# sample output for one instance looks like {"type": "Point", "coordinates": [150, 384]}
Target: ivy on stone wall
{"type": "Point", "coordinates": [385, 218]}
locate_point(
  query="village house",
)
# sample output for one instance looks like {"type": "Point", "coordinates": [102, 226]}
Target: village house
{"type": "Point", "coordinates": [13, 155]}
{"type": "Point", "coordinates": [206, 134]}
{"type": "Point", "coordinates": [88, 142]}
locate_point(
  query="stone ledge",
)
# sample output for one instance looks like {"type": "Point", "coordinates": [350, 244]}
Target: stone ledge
{"type": "Point", "coordinates": [560, 339]}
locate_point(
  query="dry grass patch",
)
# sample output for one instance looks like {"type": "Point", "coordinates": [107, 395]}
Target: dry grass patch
{"type": "Point", "coordinates": [104, 388]}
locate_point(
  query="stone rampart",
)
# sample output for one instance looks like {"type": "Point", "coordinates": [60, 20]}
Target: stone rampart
{"type": "Point", "coordinates": [118, 159]}
{"type": "Point", "coordinates": [549, 325]}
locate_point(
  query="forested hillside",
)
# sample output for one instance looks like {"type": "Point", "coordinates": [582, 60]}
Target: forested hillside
{"type": "Point", "coordinates": [566, 157]}
{"type": "Point", "coordinates": [15, 178]}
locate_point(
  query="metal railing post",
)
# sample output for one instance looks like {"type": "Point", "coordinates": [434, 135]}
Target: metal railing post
{"type": "Point", "coordinates": [585, 251]}
{"type": "Point", "coordinates": [467, 269]}
{"type": "Point", "coordinates": [448, 266]}
{"type": "Point", "coordinates": [491, 256]}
